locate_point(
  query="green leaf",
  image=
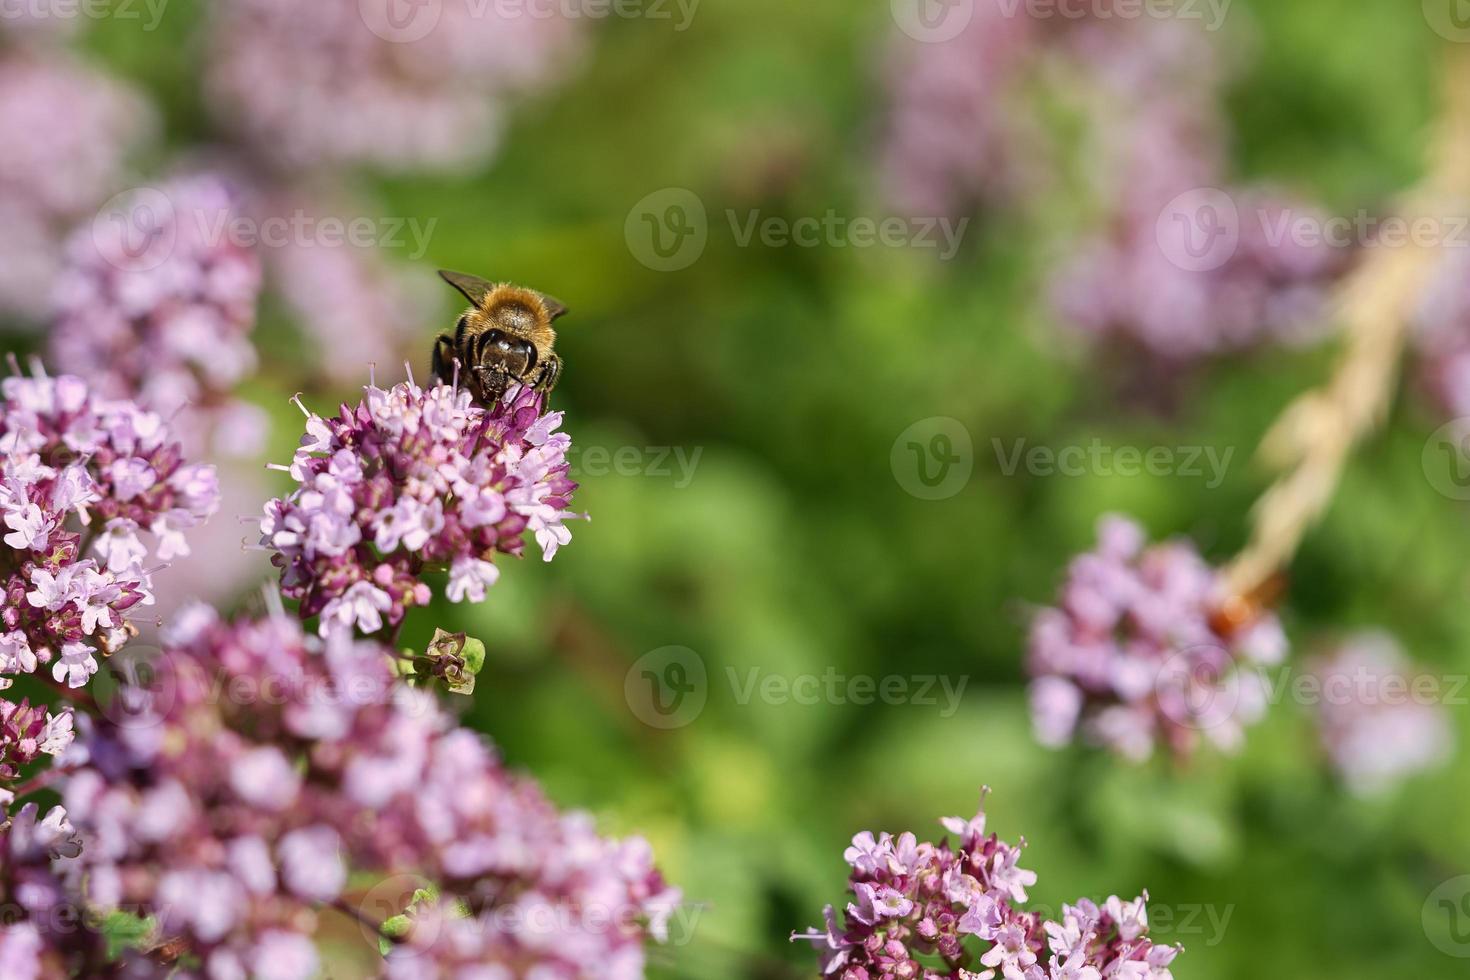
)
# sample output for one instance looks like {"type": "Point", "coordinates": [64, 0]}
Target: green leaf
{"type": "Point", "coordinates": [124, 930]}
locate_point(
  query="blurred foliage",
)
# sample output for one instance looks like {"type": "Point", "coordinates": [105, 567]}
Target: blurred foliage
{"type": "Point", "coordinates": [793, 549]}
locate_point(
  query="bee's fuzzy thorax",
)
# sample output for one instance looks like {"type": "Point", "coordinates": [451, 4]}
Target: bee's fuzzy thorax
{"type": "Point", "coordinates": [509, 293]}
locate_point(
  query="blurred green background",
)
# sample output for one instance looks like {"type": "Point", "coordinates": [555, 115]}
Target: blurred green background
{"type": "Point", "coordinates": [793, 547]}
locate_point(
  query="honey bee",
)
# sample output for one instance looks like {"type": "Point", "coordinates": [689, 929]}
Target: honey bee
{"type": "Point", "coordinates": [504, 338]}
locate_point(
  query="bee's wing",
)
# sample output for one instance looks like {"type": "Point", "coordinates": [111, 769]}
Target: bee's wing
{"type": "Point", "coordinates": [554, 307]}
{"type": "Point", "coordinates": [473, 288]}
{"type": "Point", "coordinates": [476, 289]}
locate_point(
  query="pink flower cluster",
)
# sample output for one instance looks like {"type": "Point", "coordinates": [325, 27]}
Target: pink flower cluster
{"type": "Point", "coordinates": [44, 933]}
{"type": "Point", "coordinates": [1172, 267]}
{"type": "Point", "coordinates": [412, 480]}
{"type": "Point", "coordinates": [1138, 284]}
{"type": "Point", "coordinates": [1381, 720]}
{"type": "Point", "coordinates": [1180, 269]}
{"type": "Point", "coordinates": [73, 460]}
{"type": "Point", "coordinates": [159, 306]}
{"type": "Point", "coordinates": [916, 904]}
{"type": "Point", "coordinates": [1130, 656]}
{"type": "Point", "coordinates": [343, 82]}
{"type": "Point", "coordinates": [954, 134]}
{"type": "Point", "coordinates": [263, 768]}
{"type": "Point", "coordinates": [1442, 335]}
{"type": "Point", "coordinates": [68, 132]}
{"type": "Point", "coordinates": [28, 732]}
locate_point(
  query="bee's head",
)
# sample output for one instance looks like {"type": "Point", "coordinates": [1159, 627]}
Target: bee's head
{"type": "Point", "coordinates": [519, 315]}
{"type": "Point", "coordinates": [497, 348]}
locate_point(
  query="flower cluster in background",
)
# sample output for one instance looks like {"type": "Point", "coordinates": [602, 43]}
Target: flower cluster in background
{"type": "Point", "coordinates": [45, 933]}
{"type": "Point", "coordinates": [1172, 266]}
{"type": "Point", "coordinates": [357, 306]}
{"type": "Point", "coordinates": [411, 480]}
{"type": "Point", "coordinates": [1380, 719]}
{"type": "Point", "coordinates": [342, 83]}
{"type": "Point", "coordinates": [236, 813]}
{"type": "Point", "coordinates": [163, 313]}
{"type": "Point", "coordinates": [1130, 657]}
{"type": "Point", "coordinates": [915, 904]}
{"type": "Point", "coordinates": [80, 126]}
{"type": "Point", "coordinates": [1186, 263]}
{"type": "Point", "coordinates": [1442, 336]}
{"type": "Point", "coordinates": [954, 136]}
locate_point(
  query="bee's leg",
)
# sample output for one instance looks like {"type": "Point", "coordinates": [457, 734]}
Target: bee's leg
{"type": "Point", "coordinates": [547, 377]}
{"type": "Point", "coordinates": [443, 366]}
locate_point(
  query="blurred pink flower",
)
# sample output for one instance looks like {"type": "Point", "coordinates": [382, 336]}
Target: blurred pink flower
{"type": "Point", "coordinates": [1441, 336]}
{"type": "Point", "coordinates": [1378, 714]}
{"type": "Point", "coordinates": [1130, 657]}
{"type": "Point", "coordinates": [263, 767]}
{"type": "Point", "coordinates": [954, 134]}
{"type": "Point", "coordinates": [359, 307]}
{"type": "Point", "coordinates": [339, 82]}
{"type": "Point", "coordinates": [159, 307]}
{"type": "Point", "coordinates": [68, 130]}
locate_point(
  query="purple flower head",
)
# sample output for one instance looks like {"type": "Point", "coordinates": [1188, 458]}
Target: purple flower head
{"type": "Point", "coordinates": [1442, 335]}
{"type": "Point", "coordinates": [159, 308]}
{"type": "Point", "coordinates": [1180, 270]}
{"type": "Point", "coordinates": [90, 489]}
{"type": "Point", "coordinates": [341, 82]}
{"type": "Point", "coordinates": [962, 902]}
{"type": "Point", "coordinates": [1379, 718]}
{"type": "Point", "coordinates": [269, 769]}
{"type": "Point", "coordinates": [68, 131]}
{"type": "Point", "coordinates": [1131, 657]}
{"type": "Point", "coordinates": [954, 133]}
{"type": "Point", "coordinates": [27, 733]}
{"type": "Point", "coordinates": [1173, 268]}
{"type": "Point", "coordinates": [414, 480]}
{"type": "Point", "coordinates": [44, 933]}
